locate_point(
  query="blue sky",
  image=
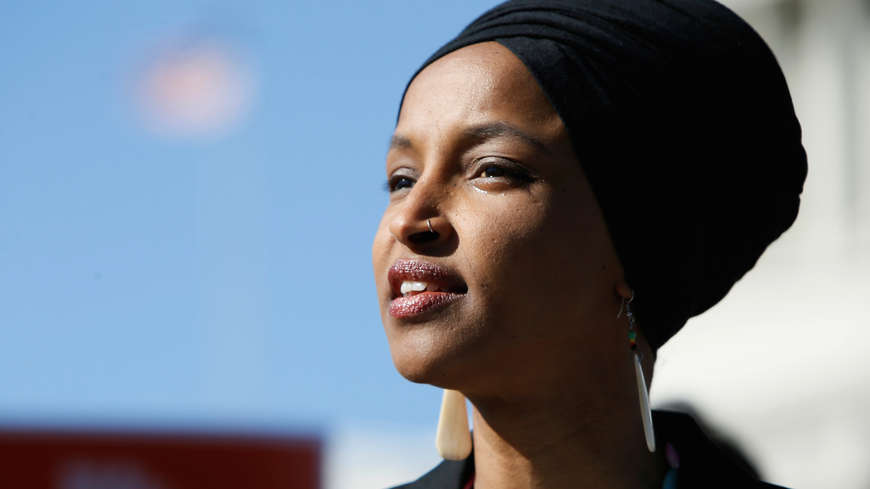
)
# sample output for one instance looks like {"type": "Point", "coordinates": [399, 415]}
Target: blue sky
{"type": "Point", "coordinates": [225, 279]}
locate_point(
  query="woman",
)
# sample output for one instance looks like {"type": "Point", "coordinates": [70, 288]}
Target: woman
{"type": "Point", "coordinates": [569, 182]}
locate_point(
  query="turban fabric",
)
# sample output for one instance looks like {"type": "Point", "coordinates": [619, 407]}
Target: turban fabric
{"type": "Point", "coordinates": [681, 120]}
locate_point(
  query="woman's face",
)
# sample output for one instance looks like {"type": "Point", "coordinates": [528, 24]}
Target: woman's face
{"type": "Point", "coordinates": [519, 272]}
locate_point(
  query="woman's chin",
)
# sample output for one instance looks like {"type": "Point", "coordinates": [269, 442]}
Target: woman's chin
{"type": "Point", "coordinates": [416, 373]}
{"type": "Point", "coordinates": [440, 367]}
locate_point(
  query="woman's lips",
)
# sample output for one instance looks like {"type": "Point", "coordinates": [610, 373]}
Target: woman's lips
{"type": "Point", "coordinates": [442, 287]}
{"type": "Point", "coordinates": [417, 304]}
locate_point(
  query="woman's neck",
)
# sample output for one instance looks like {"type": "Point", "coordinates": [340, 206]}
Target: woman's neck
{"type": "Point", "coordinates": [551, 444]}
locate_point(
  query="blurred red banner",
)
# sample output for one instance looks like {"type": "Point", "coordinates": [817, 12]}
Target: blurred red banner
{"type": "Point", "coordinates": [46, 459]}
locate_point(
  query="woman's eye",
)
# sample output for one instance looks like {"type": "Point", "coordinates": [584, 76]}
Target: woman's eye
{"type": "Point", "coordinates": [503, 171]}
{"type": "Point", "coordinates": [399, 182]}
{"type": "Point", "coordinates": [493, 171]}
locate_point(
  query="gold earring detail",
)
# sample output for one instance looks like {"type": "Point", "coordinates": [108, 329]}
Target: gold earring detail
{"type": "Point", "coordinates": [453, 438]}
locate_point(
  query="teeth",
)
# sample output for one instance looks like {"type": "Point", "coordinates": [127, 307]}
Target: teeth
{"type": "Point", "coordinates": [409, 286]}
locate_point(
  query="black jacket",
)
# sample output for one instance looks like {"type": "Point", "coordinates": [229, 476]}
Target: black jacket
{"type": "Point", "coordinates": [704, 464]}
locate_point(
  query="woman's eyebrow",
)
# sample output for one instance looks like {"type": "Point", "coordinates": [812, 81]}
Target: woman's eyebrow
{"type": "Point", "coordinates": [397, 141]}
{"type": "Point", "coordinates": [503, 129]}
{"type": "Point", "coordinates": [480, 132]}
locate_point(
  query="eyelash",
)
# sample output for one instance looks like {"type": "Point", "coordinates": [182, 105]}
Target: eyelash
{"type": "Point", "coordinates": [508, 171]}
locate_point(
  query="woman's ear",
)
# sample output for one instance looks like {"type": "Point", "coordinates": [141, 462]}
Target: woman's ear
{"type": "Point", "coordinates": [623, 290]}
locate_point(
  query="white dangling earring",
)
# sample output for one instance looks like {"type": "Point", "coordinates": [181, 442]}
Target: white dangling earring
{"type": "Point", "coordinates": [645, 412]}
{"type": "Point", "coordinates": [453, 439]}
{"type": "Point", "coordinates": [642, 393]}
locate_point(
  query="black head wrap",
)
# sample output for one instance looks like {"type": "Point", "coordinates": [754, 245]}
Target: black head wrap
{"type": "Point", "coordinates": [682, 121]}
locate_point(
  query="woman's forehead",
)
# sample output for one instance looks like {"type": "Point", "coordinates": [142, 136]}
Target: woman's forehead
{"type": "Point", "coordinates": [478, 84]}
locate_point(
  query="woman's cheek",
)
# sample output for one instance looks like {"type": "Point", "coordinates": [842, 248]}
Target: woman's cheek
{"type": "Point", "coordinates": [501, 241]}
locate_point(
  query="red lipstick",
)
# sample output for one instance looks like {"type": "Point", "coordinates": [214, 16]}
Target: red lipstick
{"type": "Point", "coordinates": [443, 286]}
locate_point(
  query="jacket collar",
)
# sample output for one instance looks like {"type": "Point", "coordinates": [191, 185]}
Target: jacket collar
{"type": "Point", "coordinates": [703, 462]}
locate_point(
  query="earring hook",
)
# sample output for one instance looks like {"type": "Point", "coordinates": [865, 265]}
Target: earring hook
{"type": "Point", "coordinates": [623, 304]}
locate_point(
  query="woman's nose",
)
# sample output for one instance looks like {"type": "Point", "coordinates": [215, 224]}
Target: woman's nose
{"type": "Point", "coordinates": [419, 233]}
{"type": "Point", "coordinates": [419, 225]}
